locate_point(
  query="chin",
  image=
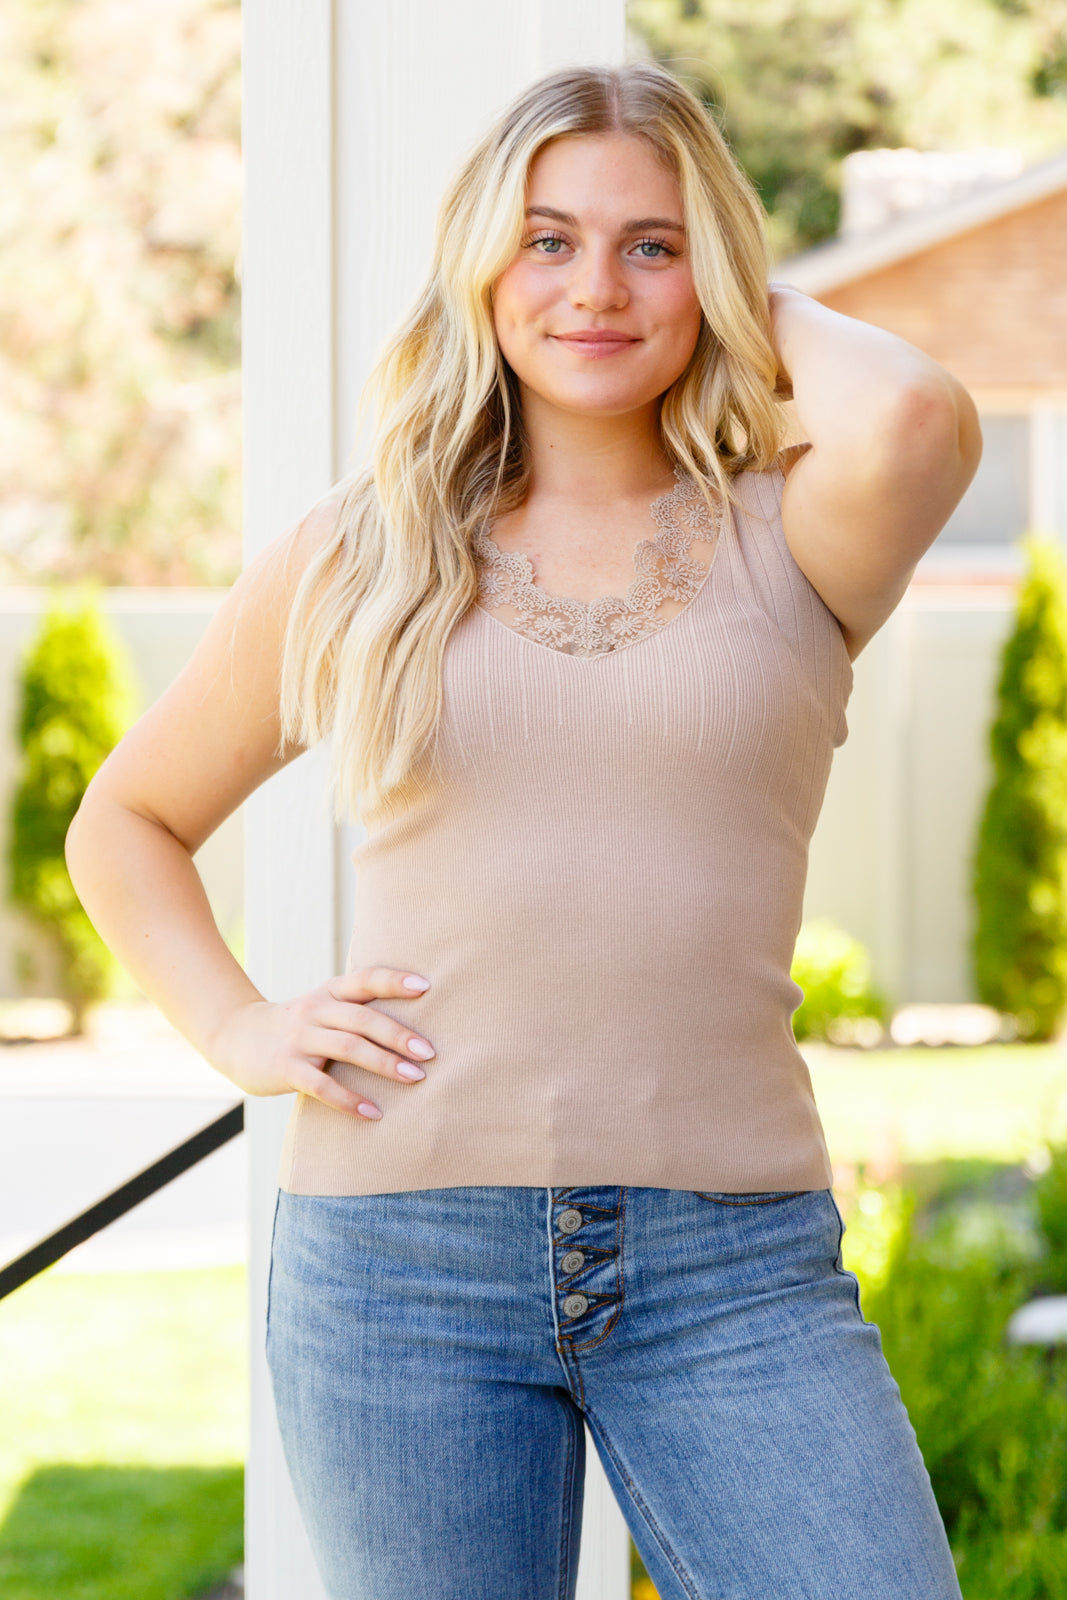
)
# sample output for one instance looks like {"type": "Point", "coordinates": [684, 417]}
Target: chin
{"type": "Point", "coordinates": [592, 392]}
{"type": "Point", "coordinates": [622, 408]}
{"type": "Point", "coordinates": [613, 404]}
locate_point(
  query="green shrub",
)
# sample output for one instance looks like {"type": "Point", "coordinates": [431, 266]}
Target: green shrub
{"type": "Point", "coordinates": [1050, 1200]}
{"type": "Point", "coordinates": [1020, 868]}
{"type": "Point", "coordinates": [991, 1418]}
{"type": "Point", "coordinates": [75, 698]}
{"type": "Point", "coordinates": [834, 971]}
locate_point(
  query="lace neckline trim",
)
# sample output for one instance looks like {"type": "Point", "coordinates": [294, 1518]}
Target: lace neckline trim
{"type": "Point", "coordinates": [664, 571]}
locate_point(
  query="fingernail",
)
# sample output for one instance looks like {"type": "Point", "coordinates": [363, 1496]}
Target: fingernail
{"type": "Point", "coordinates": [367, 1110]}
{"type": "Point", "coordinates": [416, 983]}
{"type": "Point", "coordinates": [419, 1048]}
{"type": "Point", "coordinates": [407, 1069]}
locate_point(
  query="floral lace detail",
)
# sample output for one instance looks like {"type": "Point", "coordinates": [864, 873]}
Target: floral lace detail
{"type": "Point", "coordinates": [665, 571]}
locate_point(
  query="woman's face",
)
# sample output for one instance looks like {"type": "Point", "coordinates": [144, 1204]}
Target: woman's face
{"type": "Point", "coordinates": [597, 312]}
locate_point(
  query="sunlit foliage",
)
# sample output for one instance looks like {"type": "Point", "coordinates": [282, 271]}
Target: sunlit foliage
{"type": "Point", "coordinates": [800, 84]}
{"type": "Point", "coordinates": [119, 238]}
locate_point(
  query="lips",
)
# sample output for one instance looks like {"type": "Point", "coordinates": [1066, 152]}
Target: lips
{"type": "Point", "coordinates": [595, 345]}
{"type": "Point", "coordinates": [595, 337]}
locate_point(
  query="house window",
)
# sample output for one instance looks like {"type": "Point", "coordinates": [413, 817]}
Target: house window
{"type": "Point", "coordinates": [996, 508]}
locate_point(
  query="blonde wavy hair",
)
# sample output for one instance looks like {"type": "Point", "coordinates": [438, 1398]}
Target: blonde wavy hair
{"type": "Point", "coordinates": [376, 603]}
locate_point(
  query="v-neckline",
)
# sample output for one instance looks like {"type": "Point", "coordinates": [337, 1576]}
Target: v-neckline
{"type": "Point", "coordinates": [684, 482]}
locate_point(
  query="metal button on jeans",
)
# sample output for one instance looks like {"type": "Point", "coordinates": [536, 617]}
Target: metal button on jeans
{"type": "Point", "coordinates": [573, 1260]}
{"type": "Point", "coordinates": [574, 1305]}
{"type": "Point", "coordinates": [570, 1220]}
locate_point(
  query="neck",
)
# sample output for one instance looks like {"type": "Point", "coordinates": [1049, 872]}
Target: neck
{"type": "Point", "coordinates": [588, 460]}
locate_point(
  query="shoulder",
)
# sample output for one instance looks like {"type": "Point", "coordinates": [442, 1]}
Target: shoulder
{"type": "Point", "coordinates": [265, 591]}
{"type": "Point", "coordinates": [762, 544]}
{"type": "Point", "coordinates": [756, 492]}
{"type": "Point", "coordinates": [312, 536]}
{"type": "Point", "coordinates": [860, 512]}
{"type": "Point", "coordinates": [759, 482]}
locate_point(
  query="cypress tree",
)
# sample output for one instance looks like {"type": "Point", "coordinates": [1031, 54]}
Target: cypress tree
{"type": "Point", "coordinates": [75, 696]}
{"type": "Point", "coordinates": [1020, 867]}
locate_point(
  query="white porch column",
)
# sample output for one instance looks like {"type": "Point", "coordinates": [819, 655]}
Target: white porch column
{"type": "Point", "coordinates": [1048, 469]}
{"type": "Point", "coordinates": [354, 116]}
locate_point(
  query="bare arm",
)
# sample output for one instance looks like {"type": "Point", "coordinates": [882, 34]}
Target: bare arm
{"type": "Point", "coordinates": [205, 745]}
{"type": "Point", "coordinates": [196, 754]}
{"type": "Point", "coordinates": [895, 442]}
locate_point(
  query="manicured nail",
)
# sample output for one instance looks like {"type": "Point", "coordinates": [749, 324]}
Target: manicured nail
{"type": "Point", "coordinates": [407, 1069]}
{"type": "Point", "coordinates": [419, 1048]}
{"type": "Point", "coordinates": [367, 1110]}
{"type": "Point", "coordinates": [416, 983]}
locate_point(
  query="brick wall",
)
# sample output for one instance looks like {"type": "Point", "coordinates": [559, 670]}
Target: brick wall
{"type": "Point", "coordinates": [990, 304]}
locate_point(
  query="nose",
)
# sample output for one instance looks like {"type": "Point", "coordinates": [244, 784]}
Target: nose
{"type": "Point", "coordinates": [597, 281]}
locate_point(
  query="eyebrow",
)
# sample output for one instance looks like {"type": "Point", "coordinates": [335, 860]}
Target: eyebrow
{"type": "Point", "coordinates": [633, 226]}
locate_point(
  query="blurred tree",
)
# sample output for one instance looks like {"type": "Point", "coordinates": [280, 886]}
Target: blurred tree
{"type": "Point", "coordinates": [119, 303]}
{"type": "Point", "coordinates": [1020, 869]}
{"type": "Point", "coordinates": [75, 702]}
{"type": "Point", "coordinates": [799, 84]}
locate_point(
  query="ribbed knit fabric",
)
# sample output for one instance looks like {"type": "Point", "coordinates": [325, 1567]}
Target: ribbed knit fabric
{"type": "Point", "coordinates": [602, 876]}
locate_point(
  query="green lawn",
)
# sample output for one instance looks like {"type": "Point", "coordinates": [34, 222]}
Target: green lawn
{"type": "Point", "coordinates": [123, 1406]}
{"type": "Point", "coordinates": [888, 1109]}
{"type": "Point", "coordinates": [1000, 1101]}
{"type": "Point", "coordinates": [121, 1533]}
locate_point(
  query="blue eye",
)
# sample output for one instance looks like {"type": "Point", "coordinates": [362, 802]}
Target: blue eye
{"type": "Point", "coordinates": [651, 249]}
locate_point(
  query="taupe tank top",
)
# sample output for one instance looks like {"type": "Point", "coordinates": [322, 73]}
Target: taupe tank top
{"type": "Point", "coordinates": [602, 876]}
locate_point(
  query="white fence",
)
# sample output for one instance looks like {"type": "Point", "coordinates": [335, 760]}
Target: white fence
{"type": "Point", "coordinates": [891, 858]}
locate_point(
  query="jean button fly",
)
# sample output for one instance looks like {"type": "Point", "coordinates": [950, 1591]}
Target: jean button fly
{"type": "Point", "coordinates": [573, 1260]}
{"type": "Point", "coordinates": [574, 1305]}
{"type": "Point", "coordinates": [570, 1220]}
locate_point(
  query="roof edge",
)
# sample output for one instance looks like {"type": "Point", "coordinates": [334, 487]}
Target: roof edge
{"type": "Point", "coordinates": [841, 261]}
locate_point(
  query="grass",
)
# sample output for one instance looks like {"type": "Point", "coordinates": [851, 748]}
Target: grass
{"type": "Point", "coordinates": [121, 1533]}
{"type": "Point", "coordinates": [123, 1398]}
{"type": "Point", "coordinates": [921, 1105]}
{"type": "Point", "coordinates": [991, 1417]}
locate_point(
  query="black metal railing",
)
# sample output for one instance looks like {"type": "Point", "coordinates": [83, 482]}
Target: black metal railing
{"type": "Point", "coordinates": [196, 1148]}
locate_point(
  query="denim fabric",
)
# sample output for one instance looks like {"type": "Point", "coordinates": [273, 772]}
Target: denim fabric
{"type": "Point", "coordinates": [434, 1353]}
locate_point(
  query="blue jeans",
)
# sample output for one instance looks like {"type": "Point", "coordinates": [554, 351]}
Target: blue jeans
{"type": "Point", "coordinates": [434, 1354]}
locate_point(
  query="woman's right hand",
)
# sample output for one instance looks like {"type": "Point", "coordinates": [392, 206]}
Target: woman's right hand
{"type": "Point", "coordinates": [271, 1047]}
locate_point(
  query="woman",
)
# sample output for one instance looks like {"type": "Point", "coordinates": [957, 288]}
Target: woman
{"type": "Point", "coordinates": [581, 635]}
